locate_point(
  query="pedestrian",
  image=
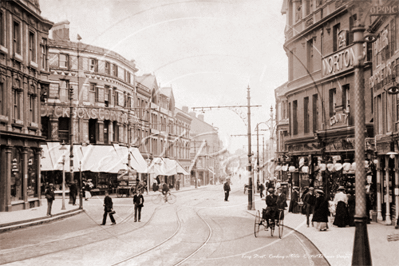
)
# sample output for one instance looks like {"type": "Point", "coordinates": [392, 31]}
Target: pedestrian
{"type": "Point", "coordinates": [155, 187]}
{"type": "Point", "coordinates": [309, 202]}
{"type": "Point", "coordinates": [108, 209]}
{"type": "Point", "coordinates": [294, 200]}
{"type": "Point", "coordinates": [138, 201]}
{"type": "Point", "coordinates": [305, 191]}
{"type": "Point", "coordinates": [88, 186]}
{"type": "Point", "coordinates": [351, 208]}
{"type": "Point", "coordinates": [341, 211]}
{"type": "Point", "coordinates": [321, 211]}
{"type": "Point", "coordinates": [281, 203]}
{"type": "Point", "coordinates": [261, 188]}
{"type": "Point", "coordinates": [271, 206]}
{"type": "Point", "coordinates": [145, 187]}
{"type": "Point", "coordinates": [226, 188]}
{"type": "Point", "coordinates": [50, 196]}
{"type": "Point", "coordinates": [73, 191]}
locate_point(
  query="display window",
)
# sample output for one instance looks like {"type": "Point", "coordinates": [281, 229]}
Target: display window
{"type": "Point", "coordinates": [32, 175]}
{"type": "Point", "coordinates": [16, 175]}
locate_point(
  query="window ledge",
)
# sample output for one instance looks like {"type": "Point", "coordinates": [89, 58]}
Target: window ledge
{"type": "Point", "coordinates": [18, 57]}
{"type": "Point", "coordinates": [3, 118]}
{"type": "Point", "coordinates": [18, 122]}
{"type": "Point", "coordinates": [34, 125]}
{"type": "Point", "coordinates": [33, 64]}
{"type": "Point", "coordinates": [3, 49]}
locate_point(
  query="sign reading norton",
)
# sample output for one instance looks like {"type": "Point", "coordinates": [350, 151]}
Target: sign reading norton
{"type": "Point", "coordinates": [338, 62]}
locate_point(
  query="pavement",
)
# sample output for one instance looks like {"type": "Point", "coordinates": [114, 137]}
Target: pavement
{"type": "Point", "coordinates": [336, 244]}
{"type": "Point", "coordinates": [34, 216]}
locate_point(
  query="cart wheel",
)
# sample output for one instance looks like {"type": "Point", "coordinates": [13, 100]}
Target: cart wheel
{"type": "Point", "coordinates": [256, 224]}
{"type": "Point", "coordinates": [157, 198]}
{"type": "Point", "coordinates": [171, 198]}
{"type": "Point", "coordinates": [281, 224]}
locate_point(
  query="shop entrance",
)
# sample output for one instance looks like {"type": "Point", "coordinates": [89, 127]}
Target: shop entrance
{"type": "Point", "coordinates": [92, 131]}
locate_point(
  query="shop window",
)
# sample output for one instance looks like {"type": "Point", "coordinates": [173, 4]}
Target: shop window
{"type": "Point", "coordinates": [32, 46]}
{"type": "Point", "coordinates": [16, 175]}
{"type": "Point", "coordinates": [32, 175]}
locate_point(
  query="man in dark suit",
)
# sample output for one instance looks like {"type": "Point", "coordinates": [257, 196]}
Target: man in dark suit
{"type": "Point", "coordinates": [138, 201]}
{"type": "Point", "coordinates": [73, 191]}
{"type": "Point", "coordinates": [281, 203]}
{"type": "Point", "coordinates": [50, 196]}
{"type": "Point", "coordinates": [226, 188]}
{"type": "Point", "coordinates": [108, 209]}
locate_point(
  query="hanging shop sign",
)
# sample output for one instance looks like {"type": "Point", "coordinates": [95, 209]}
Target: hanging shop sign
{"type": "Point", "coordinates": [88, 113]}
{"type": "Point", "coordinates": [338, 62]}
{"type": "Point", "coordinates": [384, 10]}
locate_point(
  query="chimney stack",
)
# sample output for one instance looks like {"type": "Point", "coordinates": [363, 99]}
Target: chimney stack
{"type": "Point", "coordinates": [60, 31]}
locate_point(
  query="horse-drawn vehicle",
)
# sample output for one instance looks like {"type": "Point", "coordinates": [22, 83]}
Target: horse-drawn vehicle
{"type": "Point", "coordinates": [127, 182]}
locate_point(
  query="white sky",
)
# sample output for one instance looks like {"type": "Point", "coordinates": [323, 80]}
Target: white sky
{"type": "Point", "coordinates": [207, 50]}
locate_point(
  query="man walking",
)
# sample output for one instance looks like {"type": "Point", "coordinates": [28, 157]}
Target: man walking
{"type": "Point", "coordinates": [261, 188]}
{"type": "Point", "coordinates": [50, 196]}
{"type": "Point", "coordinates": [73, 191]}
{"type": "Point", "coordinates": [226, 188]}
{"type": "Point", "coordinates": [108, 209]}
{"type": "Point", "coordinates": [309, 201]}
{"type": "Point", "coordinates": [138, 201]}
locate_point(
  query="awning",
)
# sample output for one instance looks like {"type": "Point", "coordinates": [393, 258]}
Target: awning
{"type": "Point", "coordinates": [180, 169]}
{"type": "Point", "coordinates": [54, 153]}
{"type": "Point", "coordinates": [165, 166]}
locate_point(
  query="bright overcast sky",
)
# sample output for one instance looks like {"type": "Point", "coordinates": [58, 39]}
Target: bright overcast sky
{"type": "Point", "coordinates": [207, 50]}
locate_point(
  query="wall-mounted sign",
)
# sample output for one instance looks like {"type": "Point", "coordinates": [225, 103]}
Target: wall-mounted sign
{"type": "Point", "coordinates": [381, 73]}
{"type": "Point", "coordinates": [384, 10]}
{"type": "Point", "coordinates": [338, 62]}
{"type": "Point", "coordinates": [342, 39]}
{"type": "Point", "coordinates": [339, 119]}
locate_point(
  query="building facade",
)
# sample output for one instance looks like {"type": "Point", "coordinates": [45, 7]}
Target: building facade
{"type": "Point", "coordinates": [182, 143]}
{"type": "Point", "coordinates": [386, 114]}
{"type": "Point", "coordinates": [319, 97]}
{"type": "Point", "coordinates": [204, 152]}
{"type": "Point", "coordinates": [23, 78]}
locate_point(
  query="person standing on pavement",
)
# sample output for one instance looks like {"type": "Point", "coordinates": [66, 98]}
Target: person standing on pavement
{"type": "Point", "coordinates": [50, 196]}
{"type": "Point", "coordinates": [309, 202]}
{"type": "Point", "coordinates": [73, 191]}
{"type": "Point", "coordinates": [294, 200]}
{"type": "Point", "coordinates": [351, 208]}
{"type": "Point", "coordinates": [321, 211]}
{"type": "Point", "coordinates": [341, 211]}
{"type": "Point", "coordinates": [108, 205]}
{"type": "Point", "coordinates": [89, 185]}
{"type": "Point", "coordinates": [138, 201]}
{"type": "Point", "coordinates": [261, 188]}
{"type": "Point", "coordinates": [226, 188]}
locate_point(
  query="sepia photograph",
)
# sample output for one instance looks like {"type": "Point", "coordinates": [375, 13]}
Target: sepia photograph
{"type": "Point", "coordinates": [199, 132]}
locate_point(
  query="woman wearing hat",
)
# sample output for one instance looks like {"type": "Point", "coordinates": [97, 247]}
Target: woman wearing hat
{"type": "Point", "coordinates": [321, 212]}
{"type": "Point", "coordinates": [294, 200]}
{"type": "Point", "coordinates": [341, 211]}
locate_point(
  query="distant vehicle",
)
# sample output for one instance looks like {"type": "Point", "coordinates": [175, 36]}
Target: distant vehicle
{"type": "Point", "coordinates": [127, 182]}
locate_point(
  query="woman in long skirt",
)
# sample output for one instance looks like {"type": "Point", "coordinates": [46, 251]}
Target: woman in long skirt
{"type": "Point", "coordinates": [321, 212]}
{"type": "Point", "coordinates": [351, 208]}
{"type": "Point", "coordinates": [341, 212]}
{"type": "Point", "coordinates": [294, 200]}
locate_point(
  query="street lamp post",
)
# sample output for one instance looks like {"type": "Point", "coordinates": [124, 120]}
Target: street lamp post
{"type": "Point", "coordinates": [251, 203]}
{"type": "Point", "coordinates": [80, 186]}
{"type": "Point", "coordinates": [63, 182]}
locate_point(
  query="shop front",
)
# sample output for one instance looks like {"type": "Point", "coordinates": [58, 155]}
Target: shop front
{"type": "Point", "coordinates": [20, 180]}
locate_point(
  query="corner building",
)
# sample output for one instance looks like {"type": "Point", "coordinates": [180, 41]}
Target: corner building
{"type": "Point", "coordinates": [319, 99]}
{"type": "Point", "coordinates": [23, 79]}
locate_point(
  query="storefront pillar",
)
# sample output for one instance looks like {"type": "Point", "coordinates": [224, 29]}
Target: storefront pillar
{"type": "Point", "coordinates": [5, 179]}
{"type": "Point", "coordinates": [379, 215]}
{"type": "Point", "coordinates": [25, 177]}
{"type": "Point", "coordinates": [38, 155]}
{"type": "Point", "coordinates": [386, 196]}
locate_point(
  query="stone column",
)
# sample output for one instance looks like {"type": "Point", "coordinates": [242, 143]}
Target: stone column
{"type": "Point", "coordinates": [100, 127]}
{"type": "Point", "coordinates": [387, 212]}
{"type": "Point", "coordinates": [379, 202]}
{"type": "Point", "coordinates": [5, 179]}
{"type": "Point", "coordinates": [25, 177]}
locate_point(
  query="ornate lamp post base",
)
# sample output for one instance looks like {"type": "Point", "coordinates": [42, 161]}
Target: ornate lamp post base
{"type": "Point", "coordinates": [361, 246]}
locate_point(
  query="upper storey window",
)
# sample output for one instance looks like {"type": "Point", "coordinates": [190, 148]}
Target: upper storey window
{"type": "Point", "coordinates": [43, 47]}
{"type": "Point", "coordinates": [93, 65]}
{"type": "Point", "coordinates": [115, 70]}
{"type": "Point", "coordinates": [64, 59]}
{"type": "Point", "coordinates": [17, 38]}
{"type": "Point", "coordinates": [298, 11]}
{"type": "Point", "coordinates": [336, 40]}
{"type": "Point", "coordinates": [32, 46]}
{"type": "Point", "coordinates": [108, 68]}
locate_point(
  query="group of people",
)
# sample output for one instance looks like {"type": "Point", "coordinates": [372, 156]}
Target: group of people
{"type": "Point", "coordinates": [276, 202]}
